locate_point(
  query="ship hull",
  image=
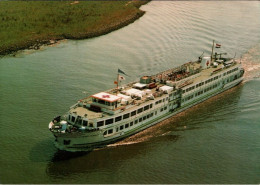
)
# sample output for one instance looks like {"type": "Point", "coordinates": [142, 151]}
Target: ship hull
{"type": "Point", "coordinates": [89, 141]}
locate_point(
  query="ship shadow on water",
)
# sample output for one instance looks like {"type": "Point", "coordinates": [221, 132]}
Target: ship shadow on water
{"type": "Point", "coordinates": [68, 164]}
{"type": "Point", "coordinates": [42, 151]}
{"type": "Point", "coordinates": [45, 151]}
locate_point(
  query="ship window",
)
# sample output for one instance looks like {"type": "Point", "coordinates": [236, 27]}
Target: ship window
{"type": "Point", "coordinates": [163, 99]}
{"type": "Point", "coordinates": [126, 116]}
{"type": "Point", "coordinates": [166, 98]}
{"type": "Point", "coordinates": [100, 123]}
{"type": "Point", "coordinates": [165, 107]}
{"type": "Point", "coordinates": [151, 105]}
{"type": "Point", "coordinates": [101, 101]}
{"type": "Point", "coordinates": [197, 85]}
{"type": "Point", "coordinates": [121, 127]}
{"type": "Point", "coordinates": [148, 116]}
{"type": "Point", "coordinates": [105, 133]}
{"type": "Point", "coordinates": [136, 121]}
{"type": "Point", "coordinates": [90, 124]}
{"type": "Point", "coordinates": [119, 118]}
{"type": "Point", "coordinates": [161, 109]}
{"type": "Point", "coordinates": [144, 118]}
{"type": "Point", "coordinates": [202, 83]}
{"type": "Point", "coordinates": [160, 101]}
{"type": "Point", "coordinates": [146, 107]}
{"type": "Point", "coordinates": [72, 118]}
{"type": "Point", "coordinates": [131, 124]}
{"type": "Point", "coordinates": [140, 119]}
{"type": "Point", "coordinates": [69, 117]}
{"type": "Point", "coordinates": [85, 123]}
{"type": "Point", "coordinates": [155, 112]}
{"type": "Point", "coordinates": [109, 121]}
{"type": "Point", "coordinates": [140, 110]}
{"type": "Point", "coordinates": [151, 115]}
{"type": "Point", "coordinates": [116, 129]}
{"type": "Point", "coordinates": [127, 125]}
{"type": "Point", "coordinates": [110, 131]}
{"type": "Point", "coordinates": [133, 113]}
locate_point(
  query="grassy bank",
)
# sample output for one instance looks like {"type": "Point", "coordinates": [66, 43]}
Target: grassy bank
{"type": "Point", "coordinates": [29, 24]}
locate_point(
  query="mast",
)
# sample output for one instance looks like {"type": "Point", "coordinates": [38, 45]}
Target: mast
{"type": "Point", "coordinates": [117, 82]}
{"type": "Point", "coordinates": [212, 50]}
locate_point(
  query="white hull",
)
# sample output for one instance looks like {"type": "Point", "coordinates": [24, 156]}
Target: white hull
{"type": "Point", "coordinates": [90, 140]}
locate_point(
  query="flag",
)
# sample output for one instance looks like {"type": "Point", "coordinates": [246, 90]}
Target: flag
{"type": "Point", "coordinates": [122, 72]}
{"type": "Point", "coordinates": [218, 45]}
{"type": "Point", "coordinates": [121, 77]}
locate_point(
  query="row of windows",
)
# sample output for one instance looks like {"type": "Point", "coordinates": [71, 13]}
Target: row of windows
{"type": "Point", "coordinates": [210, 87]}
{"type": "Point", "coordinates": [78, 120]}
{"type": "Point", "coordinates": [201, 83]}
{"type": "Point", "coordinates": [127, 125]}
{"type": "Point", "coordinates": [125, 116]}
{"type": "Point", "coordinates": [189, 97]}
{"type": "Point", "coordinates": [160, 101]}
{"type": "Point", "coordinates": [200, 92]}
{"type": "Point", "coordinates": [231, 71]}
{"type": "Point", "coordinates": [163, 108]}
{"type": "Point", "coordinates": [232, 78]}
{"type": "Point", "coordinates": [210, 80]}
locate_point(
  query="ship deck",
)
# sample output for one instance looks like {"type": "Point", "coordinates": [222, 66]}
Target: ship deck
{"type": "Point", "coordinates": [193, 78]}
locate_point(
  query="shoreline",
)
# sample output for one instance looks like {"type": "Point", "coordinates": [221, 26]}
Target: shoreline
{"type": "Point", "coordinates": [50, 40]}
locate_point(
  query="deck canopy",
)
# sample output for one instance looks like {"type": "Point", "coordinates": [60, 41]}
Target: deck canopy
{"type": "Point", "coordinates": [139, 85]}
{"type": "Point", "coordinates": [166, 88]}
{"type": "Point", "coordinates": [106, 97]}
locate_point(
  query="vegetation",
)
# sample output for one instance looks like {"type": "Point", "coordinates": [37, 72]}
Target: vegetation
{"type": "Point", "coordinates": [29, 24]}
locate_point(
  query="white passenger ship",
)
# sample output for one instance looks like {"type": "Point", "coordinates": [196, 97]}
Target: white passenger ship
{"type": "Point", "coordinates": [106, 117]}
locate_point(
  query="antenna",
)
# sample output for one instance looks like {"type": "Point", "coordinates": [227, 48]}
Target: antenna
{"type": "Point", "coordinates": [201, 55]}
{"type": "Point", "coordinates": [235, 55]}
{"type": "Point", "coordinates": [212, 50]}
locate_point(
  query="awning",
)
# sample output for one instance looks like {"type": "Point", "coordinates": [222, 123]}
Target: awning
{"type": "Point", "coordinates": [106, 97]}
{"type": "Point", "coordinates": [139, 85]}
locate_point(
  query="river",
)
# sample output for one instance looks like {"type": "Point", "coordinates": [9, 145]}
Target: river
{"type": "Point", "coordinates": [216, 141]}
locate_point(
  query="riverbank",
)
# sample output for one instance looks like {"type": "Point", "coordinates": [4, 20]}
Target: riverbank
{"type": "Point", "coordinates": [31, 24]}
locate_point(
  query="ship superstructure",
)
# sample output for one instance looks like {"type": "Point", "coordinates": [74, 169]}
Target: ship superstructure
{"type": "Point", "coordinates": [112, 115]}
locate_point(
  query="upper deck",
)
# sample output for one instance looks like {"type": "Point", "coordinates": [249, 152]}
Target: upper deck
{"type": "Point", "coordinates": [150, 88]}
